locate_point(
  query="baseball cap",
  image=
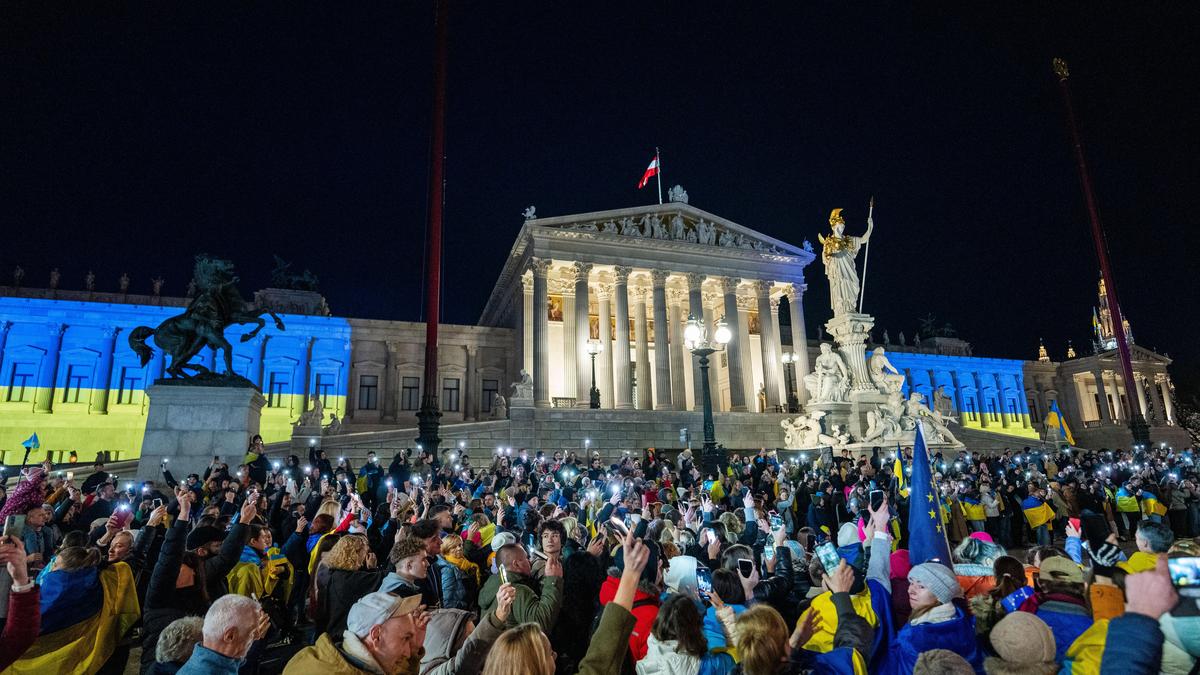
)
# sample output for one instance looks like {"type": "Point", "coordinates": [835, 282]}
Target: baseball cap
{"type": "Point", "coordinates": [1060, 569]}
{"type": "Point", "coordinates": [374, 608]}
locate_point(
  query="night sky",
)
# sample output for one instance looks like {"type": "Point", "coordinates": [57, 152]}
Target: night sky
{"type": "Point", "coordinates": [133, 136]}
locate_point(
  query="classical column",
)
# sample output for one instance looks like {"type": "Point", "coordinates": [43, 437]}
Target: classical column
{"type": "Point", "coordinates": [795, 294]}
{"type": "Point", "coordinates": [749, 391]}
{"type": "Point", "coordinates": [4, 326]}
{"type": "Point", "coordinates": [1102, 394]}
{"type": "Point", "coordinates": [527, 363]}
{"type": "Point", "coordinates": [645, 387]}
{"type": "Point", "coordinates": [1005, 417]}
{"type": "Point", "coordinates": [569, 365]}
{"type": "Point", "coordinates": [1156, 398]}
{"type": "Point", "coordinates": [984, 422]}
{"type": "Point", "coordinates": [104, 366]}
{"type": "Point", "coordinates": [737, 386]}
{"type": "Point", "coordinates": [1140, 385]}
{"type": "Point", "coordinates": [1168, 404]}
{"type": "Point", "coordinates": [583, 328]}
{"type": "Point", "coordinates": [604, 292]}
{"type": "Point", "coordinates": [762, 292]}
{"type": "Point", "coordinates": [541, 333]}
{"type": "Point", "coordinates": [1118, 407]}
{"type": "Point", "coordinates": [663, 387]}
{"type": "Point", "coordinates": [469, 386]}
{"type": "Point", "coordinates": [260, 359]}
{"type": "Point", "coordinates": [623, 382]}
{"type": "Point", "coordinates": [299, 400]}
{"type": "Point", "coordinates": [48, 375]}
{"type": "Point", "coordinates": [679, 360]}
{"type": "Point", "coordinates": [778, 340]}
{"type": "Point", "coordinates": [696, 309]}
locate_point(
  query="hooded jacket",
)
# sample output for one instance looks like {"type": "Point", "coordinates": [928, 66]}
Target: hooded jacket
{"type": "Point", "coordinates": [645, 610]}
{"type": "Point", "coordinates": [529, 605]}
{"type": "Point", "coordinates": [326, 658]}
{"type": "Point", "coordinates": [662, 658]}
{"type": "Point", "coordinates": [441, 639]}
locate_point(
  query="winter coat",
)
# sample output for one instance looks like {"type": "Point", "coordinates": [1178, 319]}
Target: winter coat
{"type": "Point", "coordinates": [1182, 643]}
{"type": "Point", "coordinates": [164, 602]}
{"type": "Point", "coordinates": [645, 610]}
{"type": "Point", "coordinates": [326, 658]}
{"type": "Point", "coordinates": [956, 635]}
{"type": "Point", "coordinates": [457, 591]}
{"type": "Point", "coordinates": [662, 658]}
{"type": "Point", "coordinates": [606, 650]}
{"type": "Point", "coordinates": [205, 661]}
{"type": "Point", "coordinates": [540, 606]}
{"type": "Point", "coordinates": [341, 591]}
{"type": "Point", "coordinates": [21, 626]}
{"type": "Point", "coordinates": [441, 637]}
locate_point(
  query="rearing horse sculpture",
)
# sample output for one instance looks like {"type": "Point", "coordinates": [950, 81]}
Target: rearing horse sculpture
{"type": "Point", "coordinates": [217, 306]}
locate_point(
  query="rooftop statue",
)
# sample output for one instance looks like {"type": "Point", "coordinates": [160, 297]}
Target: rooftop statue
{"type": "Point", "coordinates": [281, 277]}
{"type": "Point", "coordinates": [839, 252]}
{"type": "Point", "coordinates": [217, 306]}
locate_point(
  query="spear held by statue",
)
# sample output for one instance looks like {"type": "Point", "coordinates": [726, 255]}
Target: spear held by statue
{"type": "Point", "coordinates": [862, 289]}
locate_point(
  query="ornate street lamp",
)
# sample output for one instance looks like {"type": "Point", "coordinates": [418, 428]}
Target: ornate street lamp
{"type": "Point", "coordinates": [698, 342]}
{"type": "Point", "coordinates": [593, 348]}
{"type": "Point", "coordinates": [789, 358]}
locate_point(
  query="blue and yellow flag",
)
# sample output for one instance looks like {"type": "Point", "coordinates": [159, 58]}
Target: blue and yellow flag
{"type": "Point", "coordinates": [1056, 421]}
{"type": "Point", "coordinates": [972, 508]}
{"type": "Point", "coordinates": [1126, 501]}
{"type": "Point", "coordinates": [898, 472]}
{"type": "Point", "coordinates": [84, 614]}
{"type": "Point", "coordinates": [926, 532]}
{"type": "Point", "coordinates": [1151, 506]}
{"type": "Point", "coordinates": [1037, 511]}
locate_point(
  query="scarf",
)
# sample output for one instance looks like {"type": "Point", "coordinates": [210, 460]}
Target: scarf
{"type": "Point", "coordinates": [939, 614]}
{"type": "Point", "coordinates": [251, 555]}
{"type": "Point", "coordinates": [468, 567]}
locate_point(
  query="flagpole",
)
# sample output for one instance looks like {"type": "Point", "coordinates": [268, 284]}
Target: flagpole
{"type": "Point", "coordinates": [658, 174]}
{"type": "Point", "coordinates": [862, 289]}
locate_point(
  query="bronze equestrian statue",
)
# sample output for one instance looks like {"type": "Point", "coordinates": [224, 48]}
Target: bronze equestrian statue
{"type": "Point", "coordinates": [217, 305]}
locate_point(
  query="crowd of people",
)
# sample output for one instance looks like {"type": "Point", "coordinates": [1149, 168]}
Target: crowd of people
{"type": "Point", "coordinates": [530, 563]}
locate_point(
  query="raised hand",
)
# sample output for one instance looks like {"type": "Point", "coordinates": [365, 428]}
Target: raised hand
{"type": "Point", "coordinates": [249, 510]}
{"type": "Point", "coordinates": [301, 523]}
{"type": "Point", "coordinates": [504, 600]}
{"type": "Point", "coordinates": [841, 580]}
{"type": "Point", "coordinates": [156, 516]}
{"type": "Point", "coordinates": [808, 625]}
{"type": "Point", "coordinates": [554, 566]}
{"type": "Point", "coordinates": [596, 546]}
{"type": "Point", "coordinates": [1151, 593]}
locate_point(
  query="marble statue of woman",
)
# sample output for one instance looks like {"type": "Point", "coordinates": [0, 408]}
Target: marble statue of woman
{"type": "Point", "coordinates": [839, 254]}
{"type": "Point", "coordinates": [829, 380]}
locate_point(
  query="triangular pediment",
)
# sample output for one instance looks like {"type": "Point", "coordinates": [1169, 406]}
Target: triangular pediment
{"type": "Point", "coordinates": [676, 223]}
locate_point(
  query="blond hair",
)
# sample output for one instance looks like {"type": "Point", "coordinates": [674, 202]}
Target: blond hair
{"type": "Point", "coordinates": [348, 554]}
{"type": "Point", "coordinates": [761, 637]}
{"type": "Point", "coordinates": [523, 650]}
{"type": "Point", "coordinates": [451, 543]}
{"type": "Point", "coordinates": [331, 508]}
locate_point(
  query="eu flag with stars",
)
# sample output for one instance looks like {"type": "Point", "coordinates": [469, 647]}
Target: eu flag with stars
{"type": "Point", "coordinates": [926, 532]}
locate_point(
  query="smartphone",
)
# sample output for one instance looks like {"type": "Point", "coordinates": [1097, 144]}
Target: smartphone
{"type": "Point", "coordinates": [1075, 524]}
{"type": "Point", "coordinates": [534, 553]}
{"type": "Point", "coordinates": [746, 568]}
{"type": "Point", "coordinates": [828, 555]}
{"type": "Point", "coordinates": [618, 525]}
{"type": "Point", "coordinates": [503, 575]}
{"type": "Point", "coordinates": [156, 503]}
{"type": "Point", "coordinates": [124, 515]}
{"type": "Point", "coordinates": [70, 475]}
{"type": "Point", "coordinates": [776, 521]}
{"type": "Point", "coordinates": [1185, 575]}
{"type": "Point", "coordinates": [704, 581]}
{"type": "Point", "coordinates": [876, 499]}
{"type": "Point", "coordinates": [14, 526]}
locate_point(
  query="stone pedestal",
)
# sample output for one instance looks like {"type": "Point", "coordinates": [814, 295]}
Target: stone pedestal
{"type": "Point", "coordinates": [189, 425]}
{"type": "Point", "coordinates": [851, 332]}
{"type": "Point", "coordinates": [305, 437]}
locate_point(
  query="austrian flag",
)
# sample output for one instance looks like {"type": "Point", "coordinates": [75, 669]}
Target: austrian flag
{"type": "Point", "coordinates": [651, 171]}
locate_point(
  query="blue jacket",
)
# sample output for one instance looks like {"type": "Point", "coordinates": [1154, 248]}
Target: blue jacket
{"type": "Point", "coordinates": [956, 635]}
{"type": "Point", "coordinates": [1067, 625]}
{"type": "Point", "coordinates": [1137, 651]}
{"type": "Point", "coordinates": [205, 661]}
{"type": "Point", "coordinates": [714, 631]}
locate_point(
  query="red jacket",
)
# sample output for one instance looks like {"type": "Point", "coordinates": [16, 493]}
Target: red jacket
{"type": "Point", "coordinates": [645, 610]}
{"type": "Point", "coordinates": [24, 622]}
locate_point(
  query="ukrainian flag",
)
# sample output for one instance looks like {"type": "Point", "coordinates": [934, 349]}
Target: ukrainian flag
{"type": "Point", "coordinates": [1056, 421]}
{"type": "Point", "coordinates": [973, 508]}
{"type": "Point", "coordinates": [1037, 511]}
{"type": "Point", "coordinates": [1151, 506]}
{"type": "Point", "coordinates": [898, 472]}
{"type": "Point", "coordinates": [84, 614]}
{"type": "Point", "coordinates": [1126, 502]}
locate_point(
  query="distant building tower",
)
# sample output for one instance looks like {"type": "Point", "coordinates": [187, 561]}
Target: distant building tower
{"type": "Point", "coordinates": [1042, 355]}
{"type": "Point", "coordinates": [1104, 338]}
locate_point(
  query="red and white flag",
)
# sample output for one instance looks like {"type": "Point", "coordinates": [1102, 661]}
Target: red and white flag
{"type": "Point", "coordinates": [651, 171]}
